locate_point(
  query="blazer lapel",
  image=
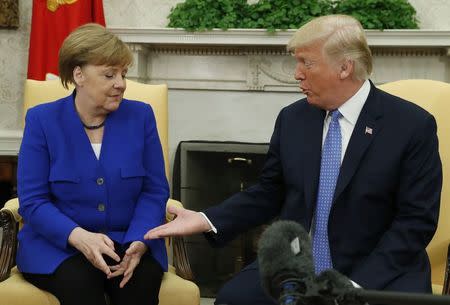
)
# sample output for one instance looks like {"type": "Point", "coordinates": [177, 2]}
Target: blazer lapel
{"type": "Point", "coordinates": [312, 132]}
{"type": "Point", "coordinates": [79, 141]}
{"type": "Point", "coordinates": [112, 136]}
{"type": "Point", "coordinates": [367, 127]}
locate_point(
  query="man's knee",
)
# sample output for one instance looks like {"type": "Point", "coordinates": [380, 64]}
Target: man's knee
{"type": "Point", "coordinates": [243, 289]}
{"type": "Point", "coordinates": [226, 295]}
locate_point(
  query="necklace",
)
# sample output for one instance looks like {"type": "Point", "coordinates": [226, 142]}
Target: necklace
{"type": "Point", "coordinates": [92, 127]}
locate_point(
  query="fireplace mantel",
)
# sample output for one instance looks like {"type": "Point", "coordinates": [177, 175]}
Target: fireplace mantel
{"type": "Point", "coordinates": [261, 37]}
{"type": "Point", "coordinates": [257, 60]}
{"type": "Point", "coordinates": [10, 142]}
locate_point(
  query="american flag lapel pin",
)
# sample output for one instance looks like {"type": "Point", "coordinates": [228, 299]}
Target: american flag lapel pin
{"type": "Point", "coordinates": [368, 130]}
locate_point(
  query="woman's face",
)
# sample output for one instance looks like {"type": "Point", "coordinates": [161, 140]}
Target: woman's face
{"type": "Point", "coordinates": [101, 87]}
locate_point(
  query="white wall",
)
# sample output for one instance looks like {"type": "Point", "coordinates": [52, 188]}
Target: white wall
{"type": "Point", "coordinates": [13, 67]}
{"type": "Point", "coordinates": [207, 115]}
{"type": "Point", "coordinates": [433, 14]}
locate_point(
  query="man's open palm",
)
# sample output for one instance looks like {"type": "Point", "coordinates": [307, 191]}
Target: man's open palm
{"type": "Point", "coordinates": [187, 222]}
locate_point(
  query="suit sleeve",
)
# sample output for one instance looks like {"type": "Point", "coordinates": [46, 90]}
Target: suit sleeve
{"type": "Point", "coordinates": [256, 205]}
{"type": "Point", "coordinates": [151, 204]}
{"type": "Point", "coordinates": [36, 206]}
{"type": "Point", "coordinates": [417, 204]}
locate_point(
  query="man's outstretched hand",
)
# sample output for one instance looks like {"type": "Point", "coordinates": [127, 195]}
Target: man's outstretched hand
{"type": "Point", "coordinates": [187, 222]}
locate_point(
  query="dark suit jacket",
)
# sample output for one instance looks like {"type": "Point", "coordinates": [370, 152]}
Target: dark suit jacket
{"type": "Point", "coordinates": [59, 187]}
{"type": "Point", "coordinates": [386, 203]}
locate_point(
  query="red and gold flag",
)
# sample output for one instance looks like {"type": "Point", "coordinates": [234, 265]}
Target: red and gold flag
{"type": "Point", "coordinates": [51, 22]}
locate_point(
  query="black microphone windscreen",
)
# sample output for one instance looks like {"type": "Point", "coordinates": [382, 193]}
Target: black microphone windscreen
{"type": "Point", "coordinates": [284, 252]}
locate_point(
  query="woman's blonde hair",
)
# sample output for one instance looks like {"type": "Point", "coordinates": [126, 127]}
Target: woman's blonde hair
{"type": "Point", "coordinates": [343, 38]}
{"type": "Point", "coordinates": [91, 44]}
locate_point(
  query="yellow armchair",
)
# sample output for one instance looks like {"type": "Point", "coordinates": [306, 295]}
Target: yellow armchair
{"type": "Point", "coordinates": [434, 96]}
{"type": "Point", "coordinates": [14, 289]}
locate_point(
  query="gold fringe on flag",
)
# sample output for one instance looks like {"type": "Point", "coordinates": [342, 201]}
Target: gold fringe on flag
{"type": "Point", "coordinates": [53, 5]}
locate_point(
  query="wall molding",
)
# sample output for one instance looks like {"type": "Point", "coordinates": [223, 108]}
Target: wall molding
{"type": "Point", "coordinates": [260, 37]}
{"type": "Point", "coordinates": [10, 142]}
{"type": "Point", "coordinates": [256, 60]}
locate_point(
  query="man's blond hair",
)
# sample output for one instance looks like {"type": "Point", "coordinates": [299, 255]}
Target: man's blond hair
{"type": "Point", "coordinates": [343, 38]}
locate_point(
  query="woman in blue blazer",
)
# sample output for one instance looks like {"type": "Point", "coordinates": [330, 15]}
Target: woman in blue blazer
{"type": "Point", "coordinates": [91, 182]}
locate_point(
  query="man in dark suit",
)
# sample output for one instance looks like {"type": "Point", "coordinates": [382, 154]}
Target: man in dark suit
{"type": "Point", "coordinates": [357, 167]}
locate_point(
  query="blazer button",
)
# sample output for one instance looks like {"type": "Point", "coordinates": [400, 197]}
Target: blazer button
{"type": "Point", "coordinates": [101, 207]}
{"type": "Point", "coordinates": [100, 181]}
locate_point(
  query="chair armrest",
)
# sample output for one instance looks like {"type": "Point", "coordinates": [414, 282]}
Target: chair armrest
{"type": "Point", "coordinates": [180, 257]}
{"type": "Point", "coordinates": [9, 228]}
{"type": "Point", "coordinates": [12, 205]}
{"type": "Point", "coordinates": [172, 202]}
{"type": "Point", "coordinates": [446, 288]}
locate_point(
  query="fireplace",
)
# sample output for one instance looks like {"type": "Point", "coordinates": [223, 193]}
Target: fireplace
{"type": "Point", "coordinates": [205, 174]}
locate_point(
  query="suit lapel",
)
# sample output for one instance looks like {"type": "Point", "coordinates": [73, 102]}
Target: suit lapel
{"type": "Point", "coordinates": [312, 132]}
{"type": "Point", "coordinates": [112, 135]}
{"type": "Point", "coordinates": [75, 130]}
{"type": "Point", "coordinates": [366, 129]}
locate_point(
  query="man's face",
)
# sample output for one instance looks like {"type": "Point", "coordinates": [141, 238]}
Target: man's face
{"type": "Point", "coordinates": [318, 77]}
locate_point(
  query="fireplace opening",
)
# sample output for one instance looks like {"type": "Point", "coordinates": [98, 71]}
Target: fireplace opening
{"type": "Point", "coordinates": [205, 174]}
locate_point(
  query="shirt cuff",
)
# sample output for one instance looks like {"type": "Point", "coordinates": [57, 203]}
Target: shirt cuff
{"type": "Point", "coordinates": [355, 284]}
{"type": "Point", "coordinates": [212, 227]}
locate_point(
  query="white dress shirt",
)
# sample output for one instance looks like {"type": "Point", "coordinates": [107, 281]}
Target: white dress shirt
{"type": "Point", "coordinates": [350, 111]}
{"type": "Point", "coordinates": [96, 147]}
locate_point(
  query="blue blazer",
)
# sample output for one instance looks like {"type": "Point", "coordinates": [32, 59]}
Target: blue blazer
{"type": "Point", "coordinates": [62, 185]}
{"type": "Point", "coordinates": [386, 203]}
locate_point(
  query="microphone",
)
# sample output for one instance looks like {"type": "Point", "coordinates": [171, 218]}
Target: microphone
{"type": "Point", "coordinates": [286, 263]}
{"type": "Point", "coordinates": [287, 275]}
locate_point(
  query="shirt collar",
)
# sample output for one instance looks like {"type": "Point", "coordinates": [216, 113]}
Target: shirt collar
{"type": "Point", "coordinates": [351, 109]}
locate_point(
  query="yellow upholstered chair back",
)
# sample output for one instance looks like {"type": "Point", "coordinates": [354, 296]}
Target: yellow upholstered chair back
{"type": "Point", "coordinates": [434, 96]}
{"type": "Point", "coordinates": [37, 92]}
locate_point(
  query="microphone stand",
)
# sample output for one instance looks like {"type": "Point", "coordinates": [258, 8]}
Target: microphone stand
{"type": "Point", "coordinates": [306, 291]}
{"type": "Point", "coordinates": [397, 298]}
{"type": "Point", "coordinates": [326, 293]}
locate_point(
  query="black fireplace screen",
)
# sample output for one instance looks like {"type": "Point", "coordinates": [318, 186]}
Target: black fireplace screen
{"type": "Point", "coordinates": [206, 173]}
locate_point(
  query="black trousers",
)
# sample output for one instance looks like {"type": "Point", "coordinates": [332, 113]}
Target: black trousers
{"type": "Point", "coordinates": [76, 281]}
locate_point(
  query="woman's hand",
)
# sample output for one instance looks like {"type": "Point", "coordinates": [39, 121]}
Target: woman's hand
{"type": "Point", "coordinates": [129, 262]}
{"type": "Point", "coordinates": [93, 246]}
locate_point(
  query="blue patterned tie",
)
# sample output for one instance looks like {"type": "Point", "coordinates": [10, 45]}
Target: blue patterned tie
{"type": "Point", "coordinates": [329, 171]}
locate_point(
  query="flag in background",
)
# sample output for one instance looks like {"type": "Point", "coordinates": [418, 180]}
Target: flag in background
{"type": "Point", "coordinates": [51, 23]}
